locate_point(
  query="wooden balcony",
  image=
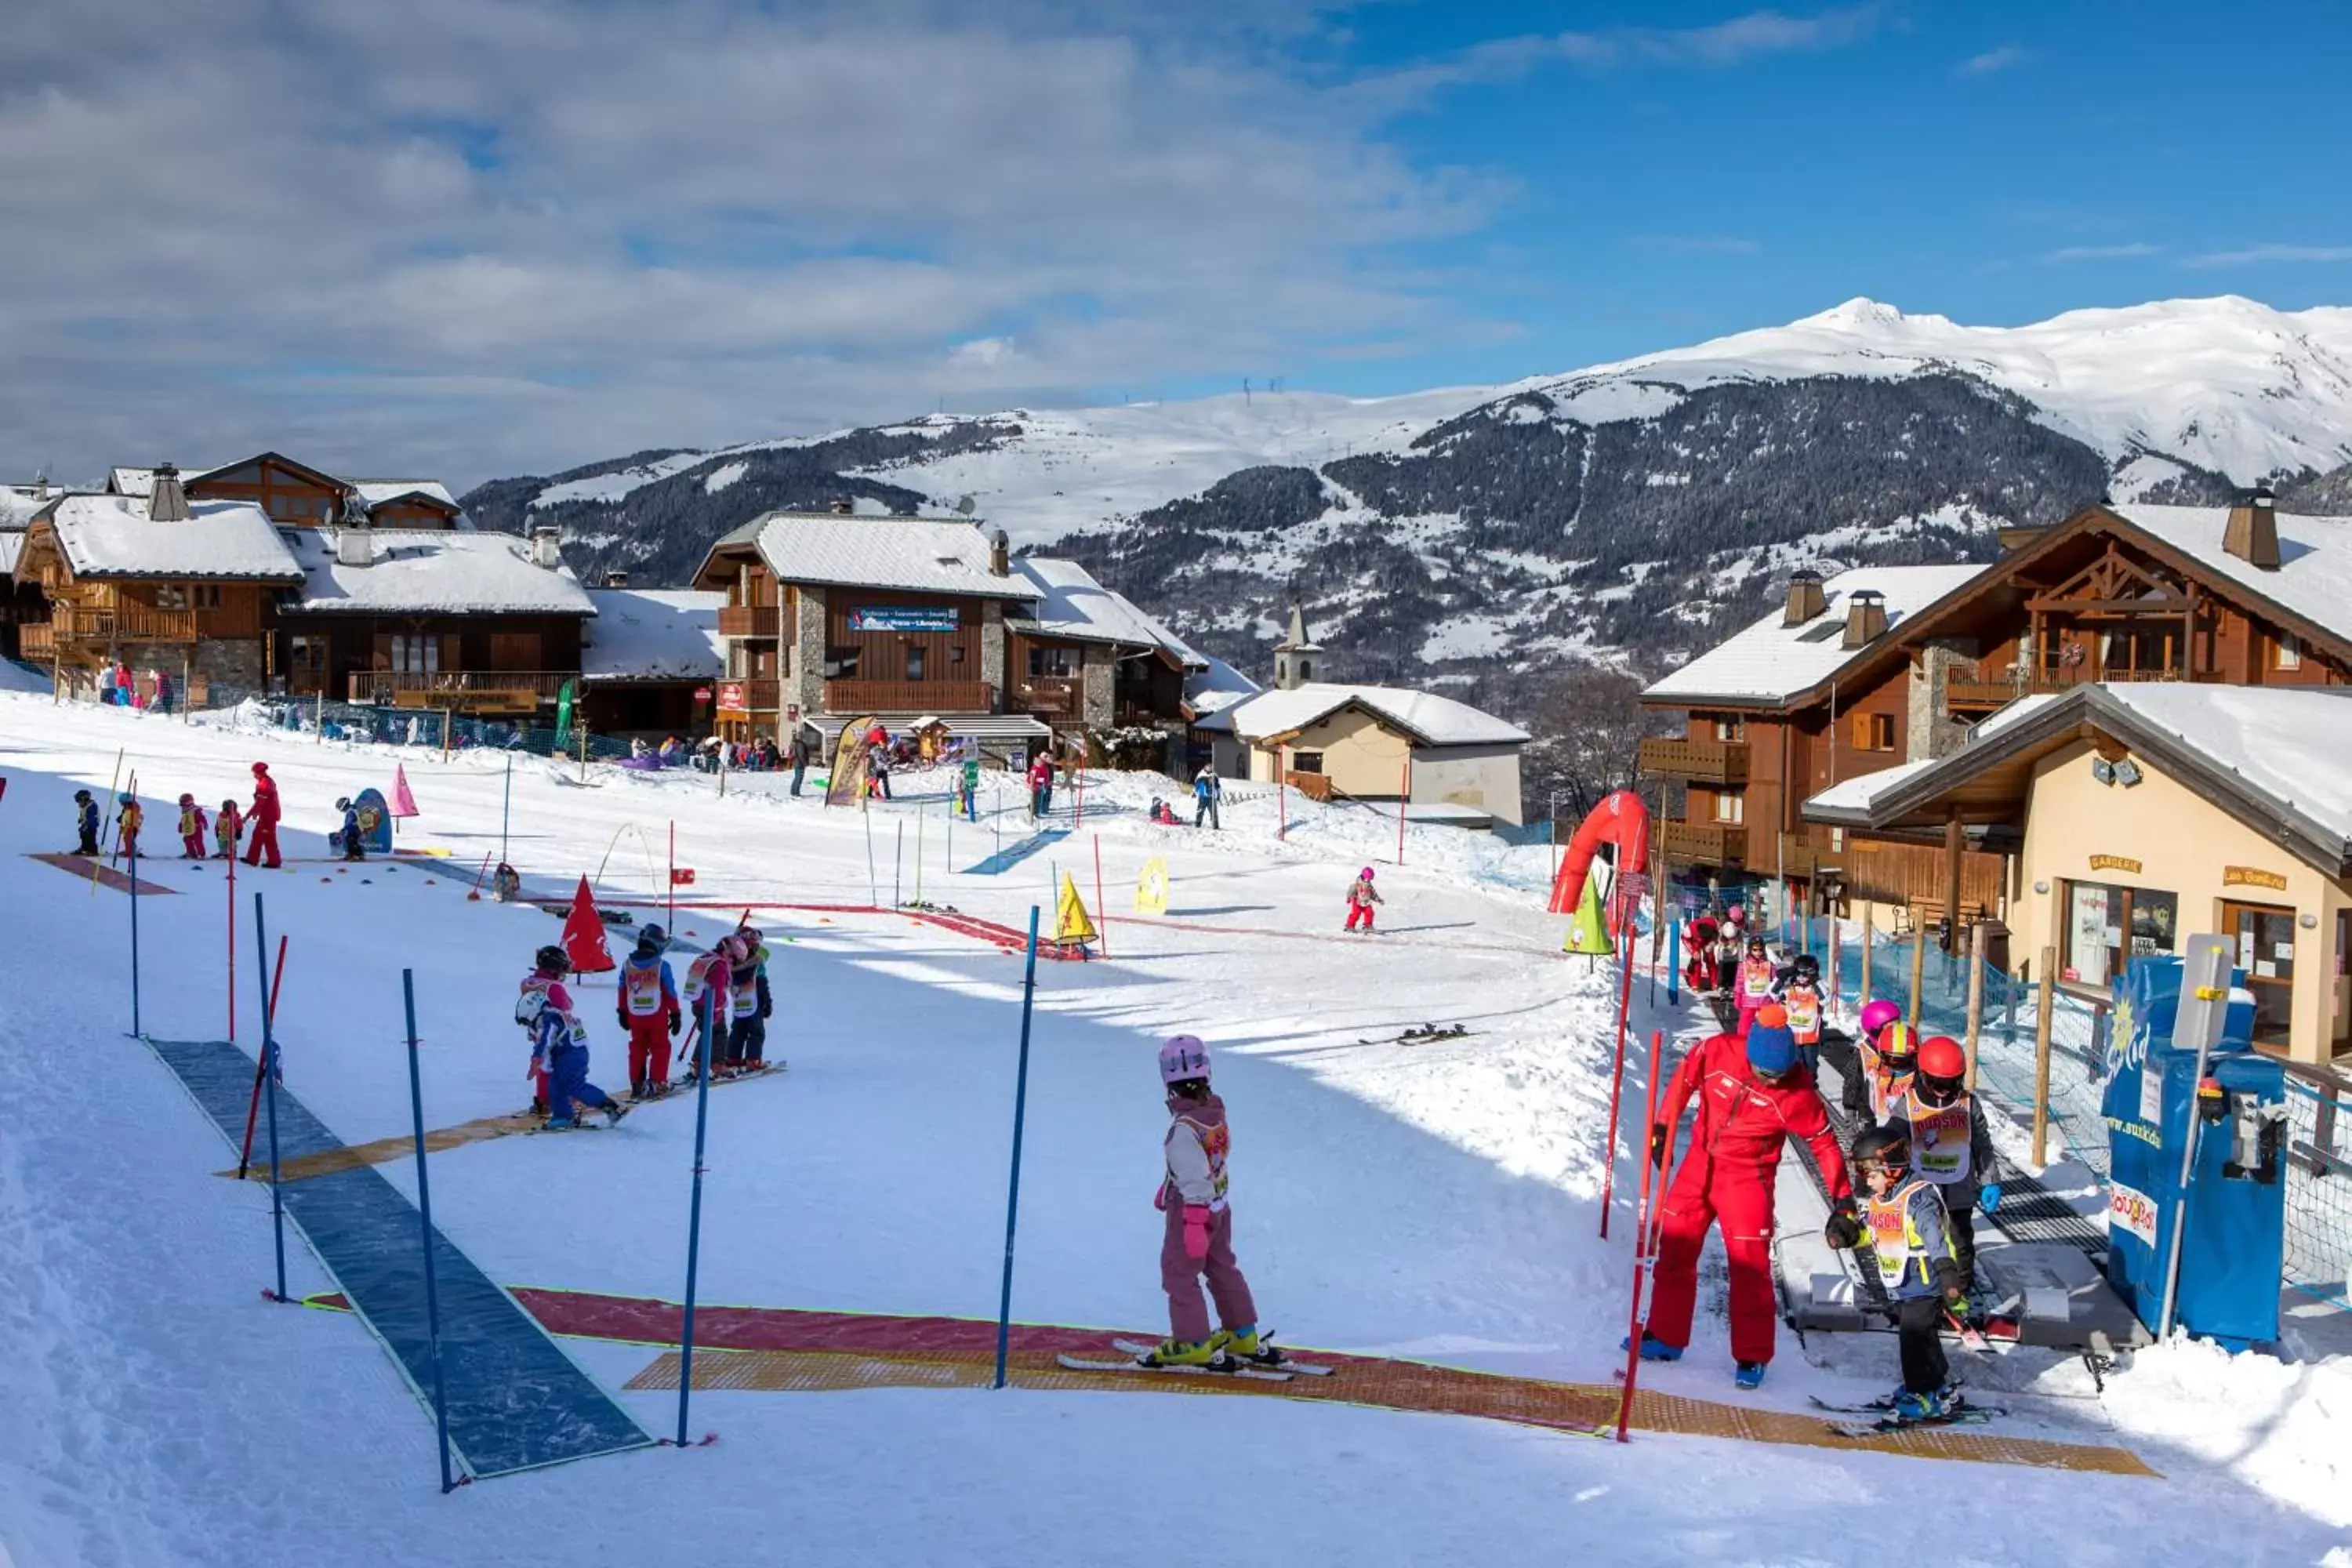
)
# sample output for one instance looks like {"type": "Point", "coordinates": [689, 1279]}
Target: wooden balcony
{"type": "Point", "coordinates": [1984, 688]}
{"type": "Point", "coordinates": [1050, 697]}
{"type": "Point", "coordinates": [1697, 761]}
{"type": "Point", "coordinates": [461, 690]}
{"type": "Point", "coordinates": [748, 620]}
{"type": "Point", "coordinates": [1704, 843]}
{"type": "Point", "coordinates": [37, 641]}
{"type": "Point", "coordinates": [909, 697]}
{"type": "Point", "coordinates": [71, 623]}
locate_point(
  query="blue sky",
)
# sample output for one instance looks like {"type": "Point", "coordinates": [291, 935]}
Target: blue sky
{"type": "Point", "coordinates": [484, 236]}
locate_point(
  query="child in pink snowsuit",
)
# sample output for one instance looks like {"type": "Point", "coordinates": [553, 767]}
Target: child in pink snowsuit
{"type": "Point", "coordinates": [1199, 1236]}
{"type": "Point", "coordinates": [192, 828]}
{"type": "Point", "coordinates": [1361, 896]}
{"type": "Point", "coordinates": [1752, 981]}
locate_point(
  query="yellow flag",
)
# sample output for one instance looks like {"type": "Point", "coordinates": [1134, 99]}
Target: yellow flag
{"type": "Point", "coordinates": [1589, 932]}
{"type": "Point", "coordinates": [1071, 922]}
{"type": "Point", "coordinates": [1151, 888]}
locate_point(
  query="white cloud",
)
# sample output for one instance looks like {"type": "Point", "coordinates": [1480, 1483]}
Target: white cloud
{"type": "Point", "coordinates": [2256, 254]}
{"type": "Point", "coordinates": [2104, 252]}
{"type": "Point", "coordinates": [481, 236]}
{"type": "Point", "coordinates": [2005, 57]}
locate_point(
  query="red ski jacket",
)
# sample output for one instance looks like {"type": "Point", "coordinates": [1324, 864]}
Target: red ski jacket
{"type": "Point", "coordinates": [265, 803]}
{"type": "Point", "coordinates": [1742, 1119]}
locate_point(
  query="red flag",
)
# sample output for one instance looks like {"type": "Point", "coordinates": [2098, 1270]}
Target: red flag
{"type": "Point", "coordinates": [583, 935]}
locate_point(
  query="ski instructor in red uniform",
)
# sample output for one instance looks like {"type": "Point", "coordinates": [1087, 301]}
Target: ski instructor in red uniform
{"type": "Point", "coordinates": [1753, 1093]}
{"type": "Point", "coordinates": [263, 817]}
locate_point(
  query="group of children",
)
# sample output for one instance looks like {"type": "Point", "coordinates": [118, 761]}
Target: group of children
{"type": "Point", "coordinates": [228, 830]}
{"type": "Point", "coordinates": [728, 986]}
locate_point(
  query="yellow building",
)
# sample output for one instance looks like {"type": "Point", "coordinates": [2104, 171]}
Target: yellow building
{"type": "Point", "coordinates": [2134, 816]}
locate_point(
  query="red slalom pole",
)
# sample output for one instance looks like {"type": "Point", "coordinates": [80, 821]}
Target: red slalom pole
{"type": "Point", "coordinates": [231, 949]}
{"type": "Point", "coordinates": [673, 877]}
{"type": "Point", "coordinates": [261, 1067]}
{"type": "Point", "coordinates": [1617, 1072]}
{"type": "Point", "coordinates": [1644, 1252]}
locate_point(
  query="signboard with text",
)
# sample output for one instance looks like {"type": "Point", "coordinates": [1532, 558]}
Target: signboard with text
{"type": "Point", "coordinates": [904, 618]}
{"type": "Point", "coordinates": [732, 698]}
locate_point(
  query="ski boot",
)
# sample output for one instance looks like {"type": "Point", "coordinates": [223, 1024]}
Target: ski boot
{"type": "Point", "coordinates": [1182, 1353]}
{"type": "Point", "coordinates": [1931, 1406]}
{"type": "Point", "coordinates": [1243, 1344]}
{"type": "Point", "coordinates": [1748, 1375]}
{"type": "Point", "coordinates": [1652, 1347]}
{"type": "Point", "coordinates": [614, 1111]}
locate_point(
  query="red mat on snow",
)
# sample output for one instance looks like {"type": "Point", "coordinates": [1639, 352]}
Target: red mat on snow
{"type": "Point", "coordinates": [108, 877]}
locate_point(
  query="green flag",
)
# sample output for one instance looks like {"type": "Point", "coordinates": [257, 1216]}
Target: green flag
{"type": "Point", "coordinates": [563, 710]}
{"type": "Point", "coordinates": [1589, 932]}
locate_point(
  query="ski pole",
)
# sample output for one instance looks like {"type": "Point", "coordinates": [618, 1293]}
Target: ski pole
{"type": "Point", "coordinates": [1617, 1078]}
{"type": "Point", "coordinates": [424, 1223]}
{"type": "Point", "coordinates": [269, 1085]}
{"type": "Point", "coordinates": [1644, 1258]}
{"type": "Point", "coordinates": [1020, 1111]}
{"type": "Point", "coordinates": [269, 1009]}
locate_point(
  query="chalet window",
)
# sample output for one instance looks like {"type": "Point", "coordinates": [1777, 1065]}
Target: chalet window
{"type": "Point", "coordinates": [914, 661]}
{"type": "Point", "coordinates": [413, 653]}
{"type": "Point", "coordinates": [841, 663]}
{"type": "Point", "coordinates": [1873, 731]}
{"type": "Point", "coordinates": [1727, 731]}
{"type": "Point", "coordinates": [171, 597]}
{"type": "Point", "coordinates": [2286, 653]}
{"type": "Point", "coordinates": [1305, 762]}
{"type": "Point", "coordinates": [1057, 662]}
{"type": "Point", "coordinates": [1730, 807]}
{"type": "Point", "coordinates": [208, 596]}
{"type": "Point", "coordinates": [955, 655]}
{"type": "Point", "coordinates": [2106, 925]}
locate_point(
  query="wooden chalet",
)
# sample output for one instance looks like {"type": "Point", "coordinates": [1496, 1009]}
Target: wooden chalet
{"type": "Point", "coordinates": [1885, 667]}
{"type": "Point", "coordinates": [296, 495]}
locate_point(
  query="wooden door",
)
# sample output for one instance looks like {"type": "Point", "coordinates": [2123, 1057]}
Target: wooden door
{"type": "Point", "coordinates": [514, 650]}
{"type": "Point", "coordinates": [2264, 935]}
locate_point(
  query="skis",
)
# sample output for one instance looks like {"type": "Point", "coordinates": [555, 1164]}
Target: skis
{"type": "Point", "coordinates": [1427, 1034]}
{"type": "Point", "coordinates": [1883, 1417]}
{"type": "Point", "coordinates": [1229, 1369]}
{"type": "Point", "coordinates": [717, 1081]}
{"type": "Point", "coordinates": [1270, 1358]}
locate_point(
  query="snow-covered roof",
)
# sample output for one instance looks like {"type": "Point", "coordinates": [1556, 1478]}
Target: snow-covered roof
{"type": "Point", "coordinates": [2291, 744]}
{"type": "Point", "coordinates": [12, 545]}
{"type": "Point", "coordinates": [375, 492]}
{"type": "Point", "coordinates": [1770, 662]}
{"type": "Point", "coordinates": [1071, 604]}
{"type": "Point", "coordinates": [2314, 576]}
{"type": "Point", "coordinates": [140, 482]}
{"type": "Point", "coordinates": [1428, 718]}
{"type": "Point", "coordinates": [433, 572]}
{"type": "Point", "coordinates": [1216, 686]}
{"type": "Point", "coordinates": [112, 536]}
{"type": "Point", "coordinates": [1856, 793]}
{"type": "Point", "coordinates": [653, 633]}
{"type": "Point", "coordinates": [915, 554]}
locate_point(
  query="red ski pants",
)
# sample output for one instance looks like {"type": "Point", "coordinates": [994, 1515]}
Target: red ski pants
{"type": "Point", "coordinates": [263, 842]}
{"type": "Point", "coordinates": [649, 1050]}
{"type": "Point", "coordinates": [1359, 911]}
{"type": "Point", "coordinates": [1188, 1319]}
{"type": "Point", "coordinates": [1740, 1198]}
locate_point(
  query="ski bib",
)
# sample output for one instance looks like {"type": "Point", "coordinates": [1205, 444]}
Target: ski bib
{"type": "Point", "coordinates": [1894, 1239]}
{"type": "Point", "coordinates": [1804, 1008]}
{"type": "Point", "coordinates": [1756, 977]}
{"type": "Point", "coordinates": [1216, 1142]}
{"type": "Point", "coordinates": [1940, 1139]}
{"type": "Point", "coordinates": [641, 988]}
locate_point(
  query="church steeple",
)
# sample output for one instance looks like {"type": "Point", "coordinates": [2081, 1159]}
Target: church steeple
{"type": "Point", "coordinates": [1295, 656]}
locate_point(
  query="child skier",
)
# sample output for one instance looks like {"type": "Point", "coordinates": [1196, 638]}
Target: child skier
{"type": "Point", "coordinates": [559, 1045]}
{"type": "Point", "coordinates": [1361, 896]}
{"type": "Point", "coordinates": [228, 828]}
{"type": "Point", "coordinates": [649, 1012]}
{"type": "Point", "coordinates": [1198, 1237]}
{"type": "Point", "coordinates": [750, 1002]}
{"type": "Point", "coordinates": [1939, 1120]}
{"type": "Point", "coordinates": [505, 884]}
{"type": "Point", "coordinates": [1751, 983]}
{"type": "Point", "coordinates": [86, 823]}
{"type": "Point", "coordinates": [192, 828]}
{"type": "Point", "coordinates": [1857, 1061]}
{"type": "Point", "coordinates": [1800, 995]}
{"type": "Point", "coordinates": [350, 838]}
{"type": "Point", "coordinates": [127, 823]}
{"type": "Point", "coordinates": [710, 988]}
{"type": "Point", "coordinates": [1901, 1224]}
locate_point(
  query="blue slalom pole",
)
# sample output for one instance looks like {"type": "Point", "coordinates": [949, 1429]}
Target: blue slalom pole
{"type": "Point", "coordinates": [130, 863]}
{"type": "Point", "coordinates": [425, 1222]}
{"type": "Point", "coordinates": [269, 1085]}
{"type": "Point", "coordinates": [694, 1213]}
{"type": "Point", "coordinates": [1020, 1114]}
{"type": "Point", "coordinates": [1673, 964]}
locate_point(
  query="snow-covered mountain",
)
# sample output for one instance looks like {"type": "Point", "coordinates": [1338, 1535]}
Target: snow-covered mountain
{"type": "Point", "coordinates": [1619, 513]}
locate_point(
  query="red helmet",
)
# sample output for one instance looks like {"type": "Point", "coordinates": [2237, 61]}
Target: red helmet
{"type": "Point", "coordinates": [1941, 1055]}
{"type": "Point", "coordinates": [260, 768]}
{"type": "Point", "coordinates": [1897, 1047]}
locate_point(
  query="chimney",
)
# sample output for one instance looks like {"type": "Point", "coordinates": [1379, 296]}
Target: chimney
{"type": "Point", "coordinates": [167, 502]}
{"type": "Point", "coordinates": [1805, 600]}
{"type": "Point", "coordinates": [1865, 616]}
{"type": "Point", "coordinates": [353, 547]}
{"type": "Point", "coordinates": [1000, 554]}
{"type": "Point", "coordinates": [545, 550]}
{"type": "Point", "coordinates": [2251, 534]}
{"type": "Point", "coordinates": [615, 578]}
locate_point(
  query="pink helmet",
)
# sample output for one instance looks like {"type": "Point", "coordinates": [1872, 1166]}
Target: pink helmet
{"type": "Point", "coordinates": [1737, 914]}
{"type": "Point", "coordinates": [1183, 1056]}
{"type": "Point", "coordinates": [1365, 875]}
{"type": "Point", "coordinates": [1878, 1015]}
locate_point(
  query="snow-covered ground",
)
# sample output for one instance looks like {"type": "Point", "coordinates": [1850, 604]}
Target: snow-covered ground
{"type": "Point", "coordinates": [1437, 1201]}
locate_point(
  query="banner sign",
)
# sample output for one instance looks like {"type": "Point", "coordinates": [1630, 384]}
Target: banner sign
{"type": "Point", "coordinates": [732, 699]}
{"type": "Point", "coordinates": [900, 618]}
{"type": "Point", "coordinates": [681, 877]}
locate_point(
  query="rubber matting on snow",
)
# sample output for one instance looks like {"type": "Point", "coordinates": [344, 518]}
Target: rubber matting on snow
{"type": "Point", "coordinates": [108, 877]}
{"type": "Point", "coordinates": [516, 1402]}
{"type": "Point", "coordinates": [1388, 1386]}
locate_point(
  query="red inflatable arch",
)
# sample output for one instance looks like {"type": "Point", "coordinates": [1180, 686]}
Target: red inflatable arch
{"type": "Point", "coordinates": [1620, 819]}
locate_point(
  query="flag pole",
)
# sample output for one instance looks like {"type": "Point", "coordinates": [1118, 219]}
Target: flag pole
{"type": "Point", "coordinates": [1020, 1114]}
{"type": "Point", "coordinates": [694, 1215]}
{"type": "Point", "coordinates": [424, 1225]}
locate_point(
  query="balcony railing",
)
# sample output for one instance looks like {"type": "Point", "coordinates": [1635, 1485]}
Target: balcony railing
{"type": "Point", "coordinates": [909, 697]}
{"type": "Point", "coordinates": [37, 640]}
{"type": "Point", "coordinates": [1985, 687]}
{"type": "Point", "coordinates": [461, 688]}
{"type": "Point", "coordinates": [1704, 843]}
{"type": "Point", "coordinates": [1050, 697]}
{"type": "Point", "coordinates": [1700, 762]}
{"type": "Point", "coordinates": [125, 623]}
{"type": "Point", "coordinates": [747, 620]}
